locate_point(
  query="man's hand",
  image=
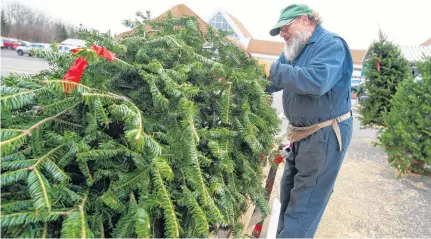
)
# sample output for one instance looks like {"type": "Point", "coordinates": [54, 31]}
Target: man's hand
{"type": "Point", "coordinates": [267, 65]}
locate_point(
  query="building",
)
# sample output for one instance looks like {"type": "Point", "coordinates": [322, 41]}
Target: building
{"type": "Point", "coordinates": [267, 51]}
{"type": "Point", "coordinates": [427, 43]}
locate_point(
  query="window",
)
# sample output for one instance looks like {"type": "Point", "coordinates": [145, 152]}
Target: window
{"type": "Point", "coordinates": [219, 22]}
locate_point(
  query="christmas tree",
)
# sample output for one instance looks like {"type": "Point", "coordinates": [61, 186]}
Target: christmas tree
{"type": "Point", "coordinates": [407, 138]}
{"type": "Point", "coordinates": [162, 140]}
{"type": "Point", "coordinates": [384, 70]}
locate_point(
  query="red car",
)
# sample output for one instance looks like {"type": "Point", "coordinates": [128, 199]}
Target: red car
{"type": "Point", "coordinates": [11, 43]}
{"type": "Point", "coordinates": [15, 44]}
{"type": "Point", "coordinates": [7, 43]}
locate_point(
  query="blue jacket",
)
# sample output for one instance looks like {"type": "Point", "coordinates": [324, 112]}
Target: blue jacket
{"type": "Point", "coordinates": [316, 85]}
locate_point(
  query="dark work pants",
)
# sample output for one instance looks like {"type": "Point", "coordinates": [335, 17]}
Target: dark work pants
{"type": "Point", "coordinates": [308, 180]}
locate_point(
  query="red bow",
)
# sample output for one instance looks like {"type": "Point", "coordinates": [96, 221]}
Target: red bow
{"type": "Point", "coordinates": [75, 73]}
{"type": "Point", "coordinates": [77, 69]}
{"type": "Point", "coordinates": [378, 62]}
{"type": "Point", "coordinates": [104, 53]}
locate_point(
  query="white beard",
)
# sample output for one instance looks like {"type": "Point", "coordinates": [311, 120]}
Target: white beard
{"type": "Point", "coordinates": [297, 44]}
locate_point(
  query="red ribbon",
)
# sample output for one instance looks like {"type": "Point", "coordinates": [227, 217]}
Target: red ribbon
{"type": "Point", "coordinates": [278, 159]}
{"type": "Point", "coordinates": [377, 62]}
{"type": "Point", "coordinates": [104, 53]}
{"type": "Point", "coordinates": [77, 69]}
{"type": "Point", "coordinates": [75, 73]}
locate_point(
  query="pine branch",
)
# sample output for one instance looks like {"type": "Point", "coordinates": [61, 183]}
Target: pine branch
{"type": "Point", "coordinates": [172, 225]}
{"type": "Point", "coordinates": [126, 224]}
{"type": "Point", "coordinates": [226, 102]}
{"type": "Point", "coordinates": [59, 85]}
{"type": "Point", "coordinates": [76, 225]}
{"type": "Point", "coordinates": [142, 225]}
{"type": "Point", "coordinates": [13, 176]}
{"type": "Point", "coordinates": [199, 219]}
{"type": "Point", "coordinates": [59, 106]}
{"type": "Point", "coordinates": [20, 99]}
{"type": "Point", "coordinates": [17, 164]}
{"type": "Point", "coordinates": [98, 154]}
{"type": "Point", "coordinates": [158, 97]}
{"type": "Point", "coordinates": [19, 83]}
{"type": "Point", "coordinates": [20, 218]}
{"type": "Point", "coordinates": [39, 190]}
{"type": "Point", "coordinates": [100, 113]}
{"type": "Point", "coordinates": [85, 170]}
{"type": "Point", "coordinates": [56, 172]}
{"type": "Point", "coordinates": [14, 143]}
{"type": "Point", "coordinates": [97, 226]}
{"type": "Point", "coordinates": [14, 206]}
{"type": "Point", "coordinates": [262, 204]}
{"type": "Point", "coordinates": [132, 180]}
{"type": "Point", "coordinates": [110, 198]}
{"type": "Point", "coordinates": [14, 156]}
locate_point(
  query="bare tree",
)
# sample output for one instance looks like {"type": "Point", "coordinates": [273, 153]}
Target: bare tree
{"type": "Point", "coordinates": [30, 24]}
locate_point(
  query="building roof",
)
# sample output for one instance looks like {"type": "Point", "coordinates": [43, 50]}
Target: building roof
{"type": "Point", "coordinates": [415, 53]}
{"type": "Point", "coordinates": [427, 43]}
{"type": "Point", "coordinates": [263, 47]}
{"type": "Point", "coordinates": [179, 10]}
{"type": "Point", "coordinates": [358, 55]}
{"type": "Point", "coordinates": [241, 27]}
{"type": "Point", "coordinates": [73, 42]}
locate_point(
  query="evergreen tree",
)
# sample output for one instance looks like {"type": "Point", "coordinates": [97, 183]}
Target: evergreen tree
{"type": "Point", "coordinates": [61, 33]}
{"type": "Point", "coordinates": [164, 141]}
{"type": "Point", "coordinates": [4, 25]}
{"type": "Point", "coordinates": [382, 83]}
{"type": "Point", "coordinates": [407, 138]}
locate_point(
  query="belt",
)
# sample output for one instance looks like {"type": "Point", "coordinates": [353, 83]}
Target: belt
{"type": "Point", "coordinates": [296, 134]}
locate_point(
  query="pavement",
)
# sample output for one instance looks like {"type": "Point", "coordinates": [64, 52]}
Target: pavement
{"type": "Point", "coordinates": [368, 200]}
{"type": "Point", "coordinates": [11, 62]}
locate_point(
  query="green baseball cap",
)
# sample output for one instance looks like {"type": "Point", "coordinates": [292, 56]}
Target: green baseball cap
{"type": "Point", "coordinates": [289, 14]}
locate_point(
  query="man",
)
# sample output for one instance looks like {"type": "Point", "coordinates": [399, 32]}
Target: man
{"type": "Point", "coordinates": [314, 72]}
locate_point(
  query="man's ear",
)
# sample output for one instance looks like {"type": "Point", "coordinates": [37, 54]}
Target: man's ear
{"type": "Point", "coordinates": [304, 19]}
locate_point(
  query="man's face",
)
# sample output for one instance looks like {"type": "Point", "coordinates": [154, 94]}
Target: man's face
{"type": "Point", "coordinates": [288, 32]}
{"type": "Point", "coordinates": [296, 36]}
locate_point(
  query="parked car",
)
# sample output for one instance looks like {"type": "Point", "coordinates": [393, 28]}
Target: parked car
{"type": "Point", "coordinates": [1, 43]}
{"type": "Point", "coordinates": [65, 48]}
{"type": "Point", "coordinates": [7, 43]}
{"type": "Point", "coordinates": [363, 95]}
{"type": "Point", "coordinates": [21, 50]}
{"type": "Point", "coordinates": [355, 83]}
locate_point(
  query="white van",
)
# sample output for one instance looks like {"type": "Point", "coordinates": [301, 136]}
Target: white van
{"type": "Point", "coordinates": [65, 48]}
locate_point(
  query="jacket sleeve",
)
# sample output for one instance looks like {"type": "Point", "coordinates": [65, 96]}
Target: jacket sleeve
{"type": "Point", "coordinates": [272, 88]}
{"type": "Point", "coordinates": [316, 79]}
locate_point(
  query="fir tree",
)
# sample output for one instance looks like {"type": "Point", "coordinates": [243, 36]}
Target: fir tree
{"type": "Point", "coordinates": [4, 25]}
{"type": "Point", "coordinates": [407, 138]}
{"type": "Point", "coordinates": [61, 33]}
{"type": "Point", "coordinates": [162, 142]}
{"type": "Point", "coordinates": [382, 83]}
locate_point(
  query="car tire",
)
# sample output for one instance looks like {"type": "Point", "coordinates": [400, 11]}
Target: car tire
{"type": "Point", "coordinates": [20, 52]}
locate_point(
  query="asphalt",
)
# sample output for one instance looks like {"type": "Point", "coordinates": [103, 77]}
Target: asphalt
{"type": "Point", "coordinates": [11, 62]}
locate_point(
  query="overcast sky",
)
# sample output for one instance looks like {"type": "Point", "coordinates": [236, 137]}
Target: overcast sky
{"type": "Point", "coordinates": [405, 22]}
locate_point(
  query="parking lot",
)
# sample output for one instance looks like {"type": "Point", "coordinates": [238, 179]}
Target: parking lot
{"type": "Point", "coordinates": [11, 62]}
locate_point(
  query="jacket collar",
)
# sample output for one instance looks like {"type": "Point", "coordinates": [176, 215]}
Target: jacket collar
{"type": "Point", "coordinates": [316, 33]}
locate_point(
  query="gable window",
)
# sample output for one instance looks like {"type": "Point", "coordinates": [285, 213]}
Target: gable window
{"type": "Point", "coordinates": [219, 22]}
